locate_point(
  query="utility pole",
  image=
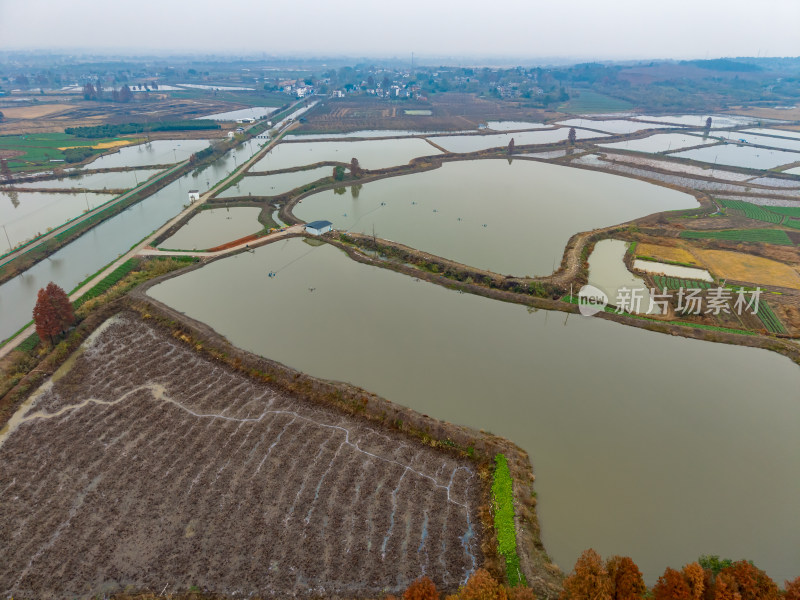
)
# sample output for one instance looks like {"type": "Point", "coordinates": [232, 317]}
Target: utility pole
{"type": "Point", "coordinates": [7, 238]}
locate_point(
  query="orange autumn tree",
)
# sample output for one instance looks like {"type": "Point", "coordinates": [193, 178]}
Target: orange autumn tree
{"type": "Point", "coordinates": [626, 579]}
{"type": "Point", "coordinates": [53, 312]}
{"type": "Point", "coordinates": [421, 589]}
{"type": "Point", "coordinates": [695, 578]}
{"type": "Point", "coordinates": [671, 586]}
{"type": "Point", "coordinates": [792, 589]}
{"type": "Point", "coordinates": [725, 587]}
{"type": "Point", "coordinates": [482, 586]}
{"type": "Point", "coordinates": [589, 580]}
{"type": "Point", "coordinates": [753, 583]}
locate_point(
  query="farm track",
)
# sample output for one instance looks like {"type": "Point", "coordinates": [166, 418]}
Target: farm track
{"type": "Point", "coordinates": [146, 465]}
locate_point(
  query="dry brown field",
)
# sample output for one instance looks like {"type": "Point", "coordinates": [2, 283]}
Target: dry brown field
{"type": "Point", "coordinates": [143, 465]}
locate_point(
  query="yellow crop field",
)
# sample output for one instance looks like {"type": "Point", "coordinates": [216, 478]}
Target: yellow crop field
{"type": "Point", "coordinates": [34, 112]}
{"type": "Point", "coordinates": [104, 145]}
{"type": "Point", "coordinates": [667, 253]}
{"type": "Point", "coordinates": [746, 267]}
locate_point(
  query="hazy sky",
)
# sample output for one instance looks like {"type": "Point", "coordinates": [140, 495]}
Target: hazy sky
{"type": "Point", "coordinates": [586, 29]}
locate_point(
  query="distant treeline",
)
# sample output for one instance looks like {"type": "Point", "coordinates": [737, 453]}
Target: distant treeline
{"type": "Point", "coordinates": [723, 64]}
{"type": "Point", "coordinates": [108, 130]}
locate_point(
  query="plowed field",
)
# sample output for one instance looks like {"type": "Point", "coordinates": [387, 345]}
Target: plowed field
{"type": "Point", "coordinates": [149, 466]}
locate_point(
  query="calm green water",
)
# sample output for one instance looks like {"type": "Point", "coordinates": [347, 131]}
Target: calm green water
{"type": "Point", "coordinates": [371, 154]}
{"type": "Point", "coordinates": [643, 444]}
{"type": "Point", "coordinates": [214, 227]}
{"type": "Point", "coordinates": [509, 218]}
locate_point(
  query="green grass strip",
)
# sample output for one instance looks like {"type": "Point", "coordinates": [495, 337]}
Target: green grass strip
{"type": "Point", "coordinates": [107, 281]}
{"type": "Point", "coordinates": [503, 501]}
{"type": "Point", "coordinates": [769, 236]}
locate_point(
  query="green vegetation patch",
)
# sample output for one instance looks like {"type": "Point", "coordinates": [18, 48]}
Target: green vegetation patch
{"type": "Point", "coordinates": [109, 130]}
{"type": "Point", "coordinates": [109, 280]}
{"type": "Point", "coordinates": [789, 211]}
{"type": "Point", "coordinates": [767, 236]}
{"type": "Point", "coordinates": [585, 101]}
{"type": "Point", "coordinates": [753, 211]}
{"type": "Point", "coordinates": [503, 506]}
{"type": "Point", "coordinates": [38, 150]}
{"type": "Point", "coordinates": [676, 283]}
{"type": "Point", "coordinates": [769, 318]}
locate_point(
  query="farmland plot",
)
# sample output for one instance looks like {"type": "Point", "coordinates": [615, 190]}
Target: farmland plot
{"type": "Point", "coordinates": [146, 465]}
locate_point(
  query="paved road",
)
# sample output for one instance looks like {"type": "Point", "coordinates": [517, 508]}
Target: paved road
{"type": "Point", "coordinates": [144, 248]}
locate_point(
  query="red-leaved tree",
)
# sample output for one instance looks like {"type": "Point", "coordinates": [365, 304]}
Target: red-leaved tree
{"type": "Point", "coordinates": [627, 582]}
{"type": "Point", "coordinates": [421, 589]}
{"type": "Point", "coordinates": [753, 583]}
{"type": "Point", "coordinates": [53, 312]}
{"type": "Point", "coordinates": [671, 586]}
{"type": "Point", "coordinates": [482, 586]}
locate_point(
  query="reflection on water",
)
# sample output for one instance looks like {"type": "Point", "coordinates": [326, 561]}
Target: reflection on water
{"type": "Point", "coordinates": [512, 219]}
{"type": "Point", "coordinates": [102, 244]}
{"type": "Point", "coordinates": [607, 272]}
{"type": "Point", "coordinates": [643, 444]}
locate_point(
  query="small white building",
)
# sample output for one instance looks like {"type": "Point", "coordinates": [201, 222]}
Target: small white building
{"type": "Point", "coordinates": [318, 227]}
{"type": "Point", "coordinates": [231, 134]}
{"type": "Point", "coordinates": [194, 195]}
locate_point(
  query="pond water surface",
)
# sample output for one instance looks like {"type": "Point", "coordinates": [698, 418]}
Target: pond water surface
{"type": "Point", "coordinates": [115, 180]}
{"type": "Point", "coordinates": [157, 152]}
{"type": "Point", "coordinates": [214, 227]}
{"type": "Point", "coordinates": [100, 245]}
{"type": "Point", "coordinates": [473, 143]}
{"type": "Point", "coordinates": [741, 156]}
{"type": "Point", "coordinates": [25, 215]}
{"type": "Point", "coordinates": [509, 218]}
{"type": "Point", "coordinates": [661, 142]}
{"type": "Point", "coordinates": [273, 185]}
{"type": "Point", "coordinates": [371, 154]}
{"type": "Point", "coordinates": [643, 444]}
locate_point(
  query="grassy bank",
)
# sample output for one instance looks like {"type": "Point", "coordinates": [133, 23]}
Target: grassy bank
{"type": "Point", "coordinates": [503, 508]}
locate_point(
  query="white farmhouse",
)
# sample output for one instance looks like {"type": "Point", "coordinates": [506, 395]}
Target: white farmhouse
{"type": "Point", "coordinates": [318, 227]}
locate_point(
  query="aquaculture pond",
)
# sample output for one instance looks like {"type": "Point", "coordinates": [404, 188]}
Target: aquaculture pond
{"type": "Point", "coordinates": [611, 125]}
{"type": "Point", "coordinates": [473, 143]}
{"type": "Point", "coordinates": [643, 444]}
{"type": "Point", "coordinates": [741, 156]}
{"type": "Point", "coordinates": [512, 125]}
{"type": "Point", "coordinates": [112, 180]}
{"type": "Point", "coordinates": [257, 112]}
{"type": "Point", "coordinates": [25, 215]}
{"type": "Point", "coordinates": [99, 246]}
{"type": "Point", "coordinates": [661, 142]}
{"type": "Point", "coordinates": [273, 185]}
{"type": "Point", "coordinates": [214, 227]}
{"type": "Point", "coordinates": [156, 152]}
{"type": "Point", "coordinates": [371, 154]}
{"type": "Point", "coordinates": [608, 273]}
{"type": "Point", "coordinates": [509, 218]}
{"type": "Point", "coordinates": [717, 121]}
